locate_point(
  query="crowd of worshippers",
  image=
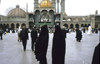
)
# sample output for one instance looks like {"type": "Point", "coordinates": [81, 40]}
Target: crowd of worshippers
{"type": "Point", "coordinates": [39, 44]}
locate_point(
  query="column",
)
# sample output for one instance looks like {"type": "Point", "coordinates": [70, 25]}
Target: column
{"type": "Point", "coordinates": [26, 7]}
{"type": "Point", "coordinates": [79, 25]}
{"type": "Point", "coordinates": [98, 25]}
{"type": "Point", "coordinates": [57, 6]}
{"type": "Point", "coordinates": [61, 13]}
{"type": "Point", "coordinates": [92, 22]}
{"type": "Point", "coordinates": [64, 5]}
{"type": "Point", "coordinates": [9, 25]}
{"type": "Point", "coordinates": [68, 25]}
{"type": "Point", "coordinates": [27, 21]}
{"type": "Point", "coordinates": [15, 25]}
{"type": "Point", "coordinates": [74, 26]}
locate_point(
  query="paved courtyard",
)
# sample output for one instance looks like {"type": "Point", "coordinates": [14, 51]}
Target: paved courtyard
{"type": "Point", "coordinates": [11, 51]}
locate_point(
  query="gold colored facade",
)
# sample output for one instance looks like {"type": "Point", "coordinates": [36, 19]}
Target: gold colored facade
{"type": "Point", "coordinates": [45, 4]}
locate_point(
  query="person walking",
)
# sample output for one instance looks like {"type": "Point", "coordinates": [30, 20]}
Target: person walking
{"type": "Point", "coordinates": [24, 37]}
{"type": "Point", "coordinates": [78, 35]}
{"type": "Point", "coordinates": [33, 37]}
{"type": "Point", "coordinates": [19, 30]}
{"type": "Point", "coordinates": [64, 31]}
{"type": "Point", "coordinates": [58, 47]}
{"type": "Point", "coordinates": [83, 30]}
{"type": "Point", "coordinates": [95, 59]}
{"type": "Point", "coordinates": [42, 46]}
{"type": "Point", "coordinates": [1, 32]}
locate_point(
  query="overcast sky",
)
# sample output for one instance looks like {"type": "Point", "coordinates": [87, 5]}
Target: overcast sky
{"type": "Point", "coordinates": [72, 7]}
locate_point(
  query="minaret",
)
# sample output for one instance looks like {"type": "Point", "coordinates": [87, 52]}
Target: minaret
{"type": "Point", "coordinates": [27, 15]}
{"type": "Point", "coordinates": [57, 6]}
{"type": "Point", "coordinates": [54, 4]}
{"type": "Point", "coordinates": [26, 7]}
{"type": "Point", "coordinates": [62, 9]}
{"type": "Point", "coordinates": [36, 4]}
{"type": "Point", "coordinates": [64, 5]}
{"type": "Point", "coordinates": [96, 12]}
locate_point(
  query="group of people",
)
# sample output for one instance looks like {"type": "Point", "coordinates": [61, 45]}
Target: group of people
{"type": "Point", "coordinates": [41, 44]}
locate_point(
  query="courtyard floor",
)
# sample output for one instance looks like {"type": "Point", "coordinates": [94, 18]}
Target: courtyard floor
{"type": "Point", "coordinates": [11, 51]}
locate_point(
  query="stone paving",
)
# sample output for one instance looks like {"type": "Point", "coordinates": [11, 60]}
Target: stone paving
{"type": "Point", "coordinates": [11, 51]}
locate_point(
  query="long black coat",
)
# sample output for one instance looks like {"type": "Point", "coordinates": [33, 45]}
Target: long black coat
{"type": "Point", "coordinates": [58, 49]}
{"type": "Point", "coordinates": [24, 36]}
{"type": "Point", "coordinates": [96, 59]}
{"type": "Point", "coordinates": [42, 44]}
{"type": "Point", "coordinates": [64, 32]}
{"type": "Point", "coordinates": [34, 35]}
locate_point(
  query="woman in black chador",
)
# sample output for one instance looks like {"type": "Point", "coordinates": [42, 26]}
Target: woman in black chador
{"type": "Point", "coordinates": [42, 45]}
{"type": "Point", "coordinates": [78, 35]}
{"type": "Point", "coordinates": [95, 59]}
{"type": "Point", "coordinates": [58, 49]}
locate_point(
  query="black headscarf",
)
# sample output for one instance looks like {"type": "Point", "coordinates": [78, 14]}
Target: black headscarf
{"type": "Point", "coordinates": [43, 31]}
{"type": "Point", "coordinates": [58, 31]}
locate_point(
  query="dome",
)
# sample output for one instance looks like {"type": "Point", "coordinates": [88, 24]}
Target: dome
{"type": "Point", "coordinates": [64, 13]}
{"type": "Point", "coordinates": [16, 12]}
{"type": "Point", "coordinates": [45, 4]}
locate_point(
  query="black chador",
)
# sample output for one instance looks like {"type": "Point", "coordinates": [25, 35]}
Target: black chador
{"type": "Point", "coordinates": [58, 49]}
{"type": "Point", "coordinates": [33, 37]}
{"type": "Point", "coordinates": [96, 54]}
{"type": "Point", "coordinates": [24, 37]}
{"type": "Point", "coordinates": [42, 45]}
{"type": "Point", "coordinates": [78, 35]}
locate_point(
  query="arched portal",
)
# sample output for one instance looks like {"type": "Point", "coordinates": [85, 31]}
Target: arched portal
{"type": "Point", "coordinates": [71, 25]}
{"type": "Point", "coordinates": [7, 25]}
{"type": "Point", "coordinates": [0, 25]}
{"type": "Point", "coordinates": [23, 25]}
{"type": "Point", "coordinates": [81, 25]}
{"type": "Point", "coordinates": [66, 25]}
{"type": "Point", "coordinates": [77, 25]}
{"type": "Point", "coordinates": [17, 25]}
{"type": "Point", "coordinates": [88, 25]}
{"type": "Point", "coordinates": [31, 24]}
{"type": "Point", "coordinates": [12, 26]}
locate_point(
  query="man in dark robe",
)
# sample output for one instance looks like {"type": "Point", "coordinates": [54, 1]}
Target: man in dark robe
{"type": "Point", "coordinates": [42, 45]}
{"type": "Point", "coordinates": [96, 59]}
{"type": "Point", "coordinates": [58, 49]}
{"type": "Point", "coordinates": [24, 37]}
{"type": "Point", "coordinates": [33, 37]}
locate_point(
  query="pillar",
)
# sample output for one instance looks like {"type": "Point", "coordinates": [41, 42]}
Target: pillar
{"type": "Point", "coordinates": [61, 12]}
{"type": "Point", "coordinates": [98, 25]}
{"type": "Point", "coordinates": [15, 25]}
{"type": "Point", "coordinates": [26, 7]}
{"type": "Point", "coordinates": [9, 25]}
{"type": "Point", "coordinates": [27, 21]}
{"type": "Point", "coordinates": [57, 6]}
{"type": "Point", "coordinates": [93, 22]}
